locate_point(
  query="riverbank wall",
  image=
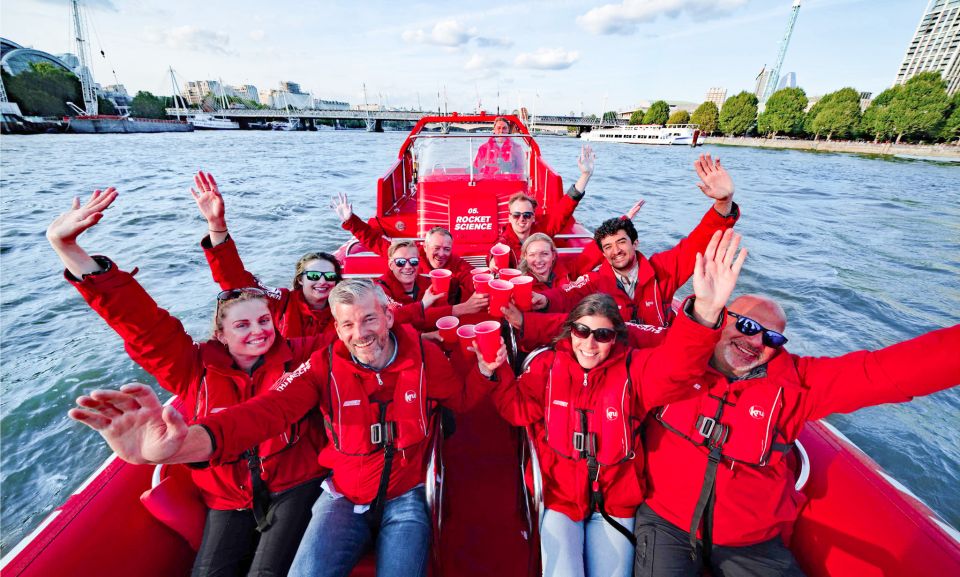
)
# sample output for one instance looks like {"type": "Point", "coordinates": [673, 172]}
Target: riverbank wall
{"type": "Point", "coordinates": [946, 151]}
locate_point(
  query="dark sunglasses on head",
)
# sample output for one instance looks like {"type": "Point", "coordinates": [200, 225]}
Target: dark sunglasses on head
{"type": "Point", "coordinates": [526, 215]}
{"type": "Point", "coordinates": [229, 295]}
{"type": "Point", "coordinates": [603, 335]}
{"type": "Point", "coordinates": [402, 262]}
{"type": "Point", "coordinates": [750, 327]}
{"type": "Point", "coordinates": [315, 275]}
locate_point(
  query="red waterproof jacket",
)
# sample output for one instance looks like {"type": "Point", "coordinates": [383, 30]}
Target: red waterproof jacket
{"type": "Point", "coordinates": [292, 314]}
{"type": "Point", "coordinates": [409, 310]}
{"type": "Point", "coordinates": [658, 277]}
{"type": "Point", "coordinates": [548, 223]}
{"type": "Point", "coordinates": [658, 375]}
{"type": "Point", "coordinates": [539, 329]}
{"type": "Point", "coordinates": [205, 377]}
{"type": "Point", "coordinates": [461, 284]}
{"type": "Point", "coordinates": [493, 158]}
{"type": "Point", "coordinates": [357, 477]}
{"type": "Point", "coordinates": [565, 272]}
{"type": "Point", "coordinates": [754, 503]}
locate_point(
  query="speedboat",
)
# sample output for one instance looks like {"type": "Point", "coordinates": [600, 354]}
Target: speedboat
{"type": "Point", "coordinates": [687, 134]}
{"type": "Point", "coordinates": [142, 520]}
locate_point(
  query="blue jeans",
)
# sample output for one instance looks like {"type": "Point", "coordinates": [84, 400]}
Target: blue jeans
{"type": "Point", "coordinates": [591, 548]}
{"type": "Point", "coordinates": [337, 538]}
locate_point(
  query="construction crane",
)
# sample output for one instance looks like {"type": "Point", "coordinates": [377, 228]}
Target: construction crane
{"type": "Point", "coordinates": [774, 73]}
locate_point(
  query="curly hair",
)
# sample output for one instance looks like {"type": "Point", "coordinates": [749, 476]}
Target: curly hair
{"type": "Point", "coordinates": [612, 226]}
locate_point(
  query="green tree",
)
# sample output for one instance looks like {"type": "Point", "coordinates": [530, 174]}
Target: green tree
{"type": "Point", "coordinates": [707, 116]}
{"type": "Point", "coordinates": [951, 126]}
{"type": "Point", "coordinates": [43, 90]}
{"type": "Point", "coordinates": [877, 122]}
{"type": "Point", "coordinates": [836, 114]}
{"type": "Point", "coordinates": [784, 112]}
{"type": "Point", "coordinates": [679, 117]}
{"type": "Point", "coordinates": [610, 116]}
{"type": "Point", "coordinates": [917, 111]}
{"type": "Point", "coordinates": [636, 117]}
{"type": "Point", "coordinates": [739, 113]}
{"type": "Point", "coordinates": [146, 105]}
{"type": "Point", "coordinates": [105, 106]}
{"type": "Point", "coordinates": [658, 113]}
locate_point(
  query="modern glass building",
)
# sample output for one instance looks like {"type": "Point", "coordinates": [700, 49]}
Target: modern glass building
{"type": "Point", "coordinates": [16, 59]}
{"type": "Point", "coordinates": [935, 45]}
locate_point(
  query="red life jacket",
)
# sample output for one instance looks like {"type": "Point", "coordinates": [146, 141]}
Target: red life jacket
{"type": "Point", "coordinates": [362, 426]}
{"type": "Point", "coordinates": [744, 428]}
{"type": "Point", "coordinates": [607, 429]}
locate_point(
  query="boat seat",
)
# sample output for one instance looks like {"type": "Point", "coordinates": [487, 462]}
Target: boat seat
{"type": "Point", "coordinates": [174, 500]}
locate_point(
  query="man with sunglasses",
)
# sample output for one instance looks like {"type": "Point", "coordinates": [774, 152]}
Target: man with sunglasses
{"type": "Point", "coordinates": [720, 488]}
{"type": "Point", "coordinates": [642, 287]}
{"type": "Point", "coordinates": [521, 210]}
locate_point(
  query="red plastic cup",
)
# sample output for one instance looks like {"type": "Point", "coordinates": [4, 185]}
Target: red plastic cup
{"type": "Point", "coordinates": [466, 334]}
{"type": "Point", "coordinates": [501, 255]}
{"type": "Point", "coordinates": [480, 282]}
{"type": "Point", "coordinates": [440, 280]}
{"type": "Point", "coordinates": [523, 292]}
{"type": "Point", "coordinates": [500, 291]}
{"type": "Point", "coordinates": [448, 328]}
{"type": "Point", "coordinates": [488, 339]}
{"type": "Point", "coordinates": [483, 270]}
{"type": "Point", "coordinates": [509, 273]}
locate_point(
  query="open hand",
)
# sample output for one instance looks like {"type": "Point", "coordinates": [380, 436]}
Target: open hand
{"type": "Point", "coordinates": [67, 227]}
{"type": "Point", "coordinates": [341, 205]}
{"type": "Point", "coordinates": [586, 159]}
{"type": "Point", "coordinates": [209, 200]}
{"type": "Point", "coordinates": [715, 275]}
{"type": "Point", "coordinates": [133, 422]}
{"type": "Point", "coordinates": [715, 181]}
{"type": "Point", "coordinates": [635, 209]}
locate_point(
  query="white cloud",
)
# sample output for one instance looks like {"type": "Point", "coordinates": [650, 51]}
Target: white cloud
{"type": "Point", "coordinates": [624, 17]}
{"type": "Point", "coordinates": [547, 59]}
{"type": "Point", "coordinates": [191, 38]}
{"type": "Point", "coordinates": [444, 33]}
{"type": "Point", "coordinates": [478, 62]}
{"type": "Point", "coordinates": [257, 35]}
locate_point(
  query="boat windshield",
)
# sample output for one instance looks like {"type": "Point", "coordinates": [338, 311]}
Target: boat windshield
{"type": "Point", "coordinates": [442, 157]}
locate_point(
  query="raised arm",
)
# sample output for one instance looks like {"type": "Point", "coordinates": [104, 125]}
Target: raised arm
{"type": "Point", "coordinates": [715, 182]}
{"type": "Point", "coordinates": [585, 163]}
{"type": "Point", "coordinates": [371, 237]}
{"type": "Point", "coordinates": [210, 202]}
{"type": "Point", "coordinates": [64, 230]}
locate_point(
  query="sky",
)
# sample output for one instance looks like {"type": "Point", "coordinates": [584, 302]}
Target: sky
{"type": "Point", "coordinates": [554, 57]}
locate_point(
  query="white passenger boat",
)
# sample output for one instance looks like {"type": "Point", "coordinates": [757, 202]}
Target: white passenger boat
{"type": "Point", "coordinates": [646, 134]}
{"type": "Point", "coordinates": [204, 121]}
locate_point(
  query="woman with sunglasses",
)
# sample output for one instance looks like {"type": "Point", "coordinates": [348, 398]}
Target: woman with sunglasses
{"type": "Point", "coordinates": [300, 311]}
{"type": "Point", "coordinates": [254, 522]}
{"type": "Point", "coordinates": [584, 401]}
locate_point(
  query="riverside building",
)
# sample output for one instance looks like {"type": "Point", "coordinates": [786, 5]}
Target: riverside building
{"type": "Point", "coordinates": [935, 45]}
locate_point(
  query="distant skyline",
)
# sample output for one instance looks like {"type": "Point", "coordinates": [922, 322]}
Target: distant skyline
{"type": "Point", "coordinates": [554, 57]}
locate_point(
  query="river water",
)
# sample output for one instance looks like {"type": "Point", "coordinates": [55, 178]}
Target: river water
{"type": "Point", "coordinates": [862, 252]}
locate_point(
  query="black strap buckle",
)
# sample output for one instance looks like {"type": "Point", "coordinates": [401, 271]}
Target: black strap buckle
{"type": "Point", "coordinates": [579, 443]}
{"type": "Point", "coordinates": [376, 434]}
{"type": "Point", "coordinates": [705, 426]}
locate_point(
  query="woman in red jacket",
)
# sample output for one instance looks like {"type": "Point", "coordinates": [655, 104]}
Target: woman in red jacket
{"type": "Point", "coordinates": [255, 521]}
{"type": "Point", "coordinates": [301, 311]}
{"type": "Point", "coordinates": [584, 401]}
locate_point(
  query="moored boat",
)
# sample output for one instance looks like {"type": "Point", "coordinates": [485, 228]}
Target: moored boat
{"type": "Point", "coordinates": [109, 124]}
{"type": "Point", "coordinates": [857, 521]}
{"type": "Point", "coordinates": [687, 134]}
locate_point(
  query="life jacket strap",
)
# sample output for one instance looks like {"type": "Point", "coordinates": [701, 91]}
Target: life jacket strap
{"type": "Point", "coordinates": [383, 431]}
{"type": "Point", "coordinates": [262, 509]}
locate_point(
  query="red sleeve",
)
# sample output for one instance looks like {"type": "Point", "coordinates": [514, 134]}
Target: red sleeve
{"type": "Point", "coordinates": [519, 400]}
{"type": "Point", "coordinates": [432, 314]}
{"type": "Point", "coordinates": [675, 266]}
{"type": "Point", "coordinates": [559, 215]}
{"type": "Point", "coordinates": [371, 237]}
{"type": "Point", "coordinates": [564, 298]}
{"type": "Point", "coordinates": [586, 261]}
{"type": "Point", "coordinates": [539, 329]}
{"type": "Point", "coordinates": [411, 313]}
{"type": "Point", "coordinates": [894, 374]}
{"type": "Point", "coordinates": [152, 337]}
{"type": "Point", "coordinates": [450, 388]}
{"type": "Point", "coordinates": [270, 413]}
{"type": "Point", "coordinates": [670, 371]}
{"type": "Point", "coordinates": [645, 336]}
{"type": "Point", "coordinates": [226, 266]}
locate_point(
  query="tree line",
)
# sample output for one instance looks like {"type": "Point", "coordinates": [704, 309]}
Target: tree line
{"type": "Point", "coordinates": [919, 110]}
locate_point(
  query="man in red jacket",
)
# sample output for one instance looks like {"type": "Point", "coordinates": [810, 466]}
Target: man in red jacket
{"type": "Point", "coordinates": [644, 288]}
{"type": "Point", "coordinates": [377, 388]}
{"type": "Point", "coordinates": [720, 490]}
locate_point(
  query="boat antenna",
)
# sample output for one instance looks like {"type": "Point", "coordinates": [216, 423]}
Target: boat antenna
{"type": "Point", "coordinates": [86, 78]}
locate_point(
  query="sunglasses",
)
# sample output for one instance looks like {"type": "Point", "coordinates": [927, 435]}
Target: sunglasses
{"type": "Point", "coordinates": [315, 275]}
{"type": "Point", "coordinates": [229, 295]}
{"type": "Point", "coordinates": [603, 335]}
{"type": "Point", "coordinates": [526, 215]}
{"type": "Point", "coordinates": [750, 327]}
{"type": "Point", "coordinates": [402, 262]}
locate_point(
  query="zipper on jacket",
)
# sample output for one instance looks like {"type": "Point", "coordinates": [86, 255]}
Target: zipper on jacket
{"type": "Point", "coordinates": [584, 380]}
{"type": "Point", "coordinates": [379, 380]}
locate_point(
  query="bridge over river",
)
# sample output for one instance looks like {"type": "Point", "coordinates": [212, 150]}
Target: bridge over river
{"type": "Point", "coordinates": [374, 119]}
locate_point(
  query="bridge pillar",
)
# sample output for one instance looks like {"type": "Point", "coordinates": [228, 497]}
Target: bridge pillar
{"type": "Point", "coordinates": [374, 125]}
{"type": "Point", "coordinates": [445, 127]}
